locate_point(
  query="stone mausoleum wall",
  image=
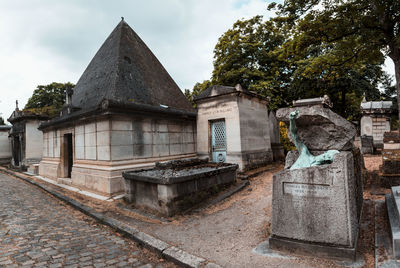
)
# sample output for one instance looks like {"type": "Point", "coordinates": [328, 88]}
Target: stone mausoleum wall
{"type": "Point", "coordinates": [5, 146]}
{"type": "Point", "coordinates": [34, 142]}
{"type": "Point", "coordinates": [247, 128]}
{"type": "Point", "coordinates": [105, 147]}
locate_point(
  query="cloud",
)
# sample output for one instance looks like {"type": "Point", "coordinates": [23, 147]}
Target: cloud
{"type": "Point", "coordinates": [45, 41]}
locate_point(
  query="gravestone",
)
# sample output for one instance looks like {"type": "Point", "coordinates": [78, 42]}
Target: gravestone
{"type": "Point", "coordinates": [316, 209]}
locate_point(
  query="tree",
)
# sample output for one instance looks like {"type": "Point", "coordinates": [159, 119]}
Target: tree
{"type": "Point", "coordinates": [197, 89]}
{"type": "Point", "coordinates": [48, 99]}
{"type": "Point", "coordinates": [247, 55]}
{"type": "Point", "coordinates": [267, 57]}
{"type": "Point", "coordinates": [348, 33]}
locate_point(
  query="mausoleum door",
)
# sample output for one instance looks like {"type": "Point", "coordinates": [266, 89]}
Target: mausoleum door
{"type": "Point", "coordinates": [218, 141]}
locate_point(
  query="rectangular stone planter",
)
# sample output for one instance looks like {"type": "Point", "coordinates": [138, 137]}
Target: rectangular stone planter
{"type": "Point", "coordinates": [316, 210]}
{"type": "Point", "coordinates": [176, 185]}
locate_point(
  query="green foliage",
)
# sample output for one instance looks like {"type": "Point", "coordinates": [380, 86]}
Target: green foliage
{"type": "Point", "coordinates": [275, 60]}
{"type": "Point", "coordinates": [248, 54]}
{"type": "Point", "coordinates": [48, 99]}
{"type": "Point", "coordinates": [197, 89]}
{"type": "Point", "coordinates": [287, 144]}
{"type": "Point", "coordinates": [342, 39]}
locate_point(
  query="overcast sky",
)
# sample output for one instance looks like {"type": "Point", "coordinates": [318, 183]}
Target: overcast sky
{"type": "Point", "coordinates": [46, 41]}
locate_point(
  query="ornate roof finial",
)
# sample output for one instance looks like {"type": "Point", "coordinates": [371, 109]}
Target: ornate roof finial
{"type": "Point", "coordinates": [16, 105]}
{"type": "Point", "coordinates": [122, 18]}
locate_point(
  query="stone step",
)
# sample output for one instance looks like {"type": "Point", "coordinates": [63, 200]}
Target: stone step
{"type": "Point", "coordinates": [394, 221]}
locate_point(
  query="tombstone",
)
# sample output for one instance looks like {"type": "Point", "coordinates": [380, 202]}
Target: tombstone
{"type": "Point", "coordinates": [233, 126]}
{"type": "Point", "coordinates": [375, 120]}
{"type": "Point", "coordinates": [26, 139]}
{"type": "Point", "coordinates": [5, 145]}
{"type": "Point", "coordinates": [316, 205]}
{"type": "Point", "coordinates": [125, 113]}
{"type": "Point", "coordinates": [367, 144]}
{"type": "Point", "coordinates": [390, 169]}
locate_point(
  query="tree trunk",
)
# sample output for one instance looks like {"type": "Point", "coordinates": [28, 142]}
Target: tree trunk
{"type": "Point", "coordinates": [396, 60]}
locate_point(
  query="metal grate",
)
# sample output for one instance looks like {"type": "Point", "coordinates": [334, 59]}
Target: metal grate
{"type": "Point", "coordinates": [219, 135]}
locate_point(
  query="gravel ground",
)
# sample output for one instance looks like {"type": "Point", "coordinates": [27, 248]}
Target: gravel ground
{"type": "Point", "coordinates": [228, 232]}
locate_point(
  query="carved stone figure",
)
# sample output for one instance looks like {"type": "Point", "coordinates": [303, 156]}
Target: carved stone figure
{"type": "Point", "coordinates": [306, 159]}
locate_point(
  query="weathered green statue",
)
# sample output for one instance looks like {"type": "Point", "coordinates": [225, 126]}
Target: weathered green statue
{"type": "Point", "coordinates": [306, 159]}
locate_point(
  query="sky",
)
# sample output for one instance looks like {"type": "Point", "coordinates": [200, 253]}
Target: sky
{"type": "Point", "coordinates": [46, 41]}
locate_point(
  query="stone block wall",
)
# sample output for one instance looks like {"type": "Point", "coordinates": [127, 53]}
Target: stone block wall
{"type": "Point", "coordinates": [221, 108]}
{"type": "Point", "coordinates": [105, 147]}
{"type": "Point", "coordinates": [255, 132]}
{"type": "Point", "coordinates": [375, 126]}
{"type": "Point", "coordinates": [33, 142]}
{"type": "Point", "coordinates": [247, 129]}
{"type": "Point", "coordinates": [5, 148]}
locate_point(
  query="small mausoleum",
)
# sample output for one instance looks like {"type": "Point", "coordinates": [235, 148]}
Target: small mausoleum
{"type": "Point", "coordinates": [233, 126]}
{"type": "Point", "coordinates": [5, 145]}
{"type": "Point", "coordinates": [375, 120]}
{"type": "Point", "coordinates": [26, 138]}
{"type": "Point", "coordinates": [125, 113]}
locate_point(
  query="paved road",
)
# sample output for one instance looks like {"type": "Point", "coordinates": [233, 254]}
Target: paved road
{"type": "Point", "coordinates": [37, 230]}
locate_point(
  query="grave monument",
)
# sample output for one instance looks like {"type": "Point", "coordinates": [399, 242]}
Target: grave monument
{"type": "Point", "coordinates": [317, 198]}
{"type": "Point", "coordinates": [125, 113]}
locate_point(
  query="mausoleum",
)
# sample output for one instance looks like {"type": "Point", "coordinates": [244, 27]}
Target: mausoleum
{"type": "Point", "coordinates": [26, 138]}
{"type": "Point", "coordinates": [376, 119]}
{"type": "Point", "coordinates": [5, 145]}
{"type": "Point", "coordinates": [125, 113]}
{"type": "Point", "coordinates": [233, 126]}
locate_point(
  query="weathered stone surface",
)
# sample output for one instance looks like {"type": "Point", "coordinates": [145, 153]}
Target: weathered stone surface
{"type": "Point", "coordinates": [391, 162]}
{"type": "Point", "coordinates": [183, 258]}
{"type": "Point", "coordinates": [367, 144]}
{"type": "Point", "coordinates": [392, 204]}
{"type": "Point", "coordinates": [320, 129]}
{"type": "Point", "coordinates": [291, 157]}
{"type": "Point", "coordinates": [317, 204]}
{"type": "Point", "coordinates": [175, 186]}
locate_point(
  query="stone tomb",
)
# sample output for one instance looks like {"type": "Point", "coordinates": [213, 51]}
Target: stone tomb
{"type": "Point", "coordinates": [315, 209]}
{"type": "Point", "coordinates": [390, 169]}
{"type": "Point", "coordinates": [177, 185]}
{"type": "Point", "coordinates": [26, 139]}
{"type": "Point", "coordinates": [5, 145]}
{"type": "Point", "coordinates": [233, 126]}
{"type": "Point", "coordinates": [125, 113]}
{"type": "Point", "coordinates": [375, 120]}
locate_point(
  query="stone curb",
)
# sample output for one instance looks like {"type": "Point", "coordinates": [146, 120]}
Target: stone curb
{"type": "Point", "coordinates": [162, 248]}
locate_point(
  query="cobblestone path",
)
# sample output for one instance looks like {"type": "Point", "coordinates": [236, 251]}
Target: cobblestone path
{"type": "Point", "coordinates": [37, 230]}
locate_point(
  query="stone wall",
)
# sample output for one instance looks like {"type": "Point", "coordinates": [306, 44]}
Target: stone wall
{"type": "Point", "coordinates": [224, 107]}
{"type": "Point", "coordinates": [375, 126]}
{"type": "Point", "coordinates": [105, 147]}
{"type": "Point", "coordinates": [247, 129]}
{"type": "Point", "coordinates": [5, 147]}
{"type": "Point", "coordinates": [33, 142]}
{"type": "Point", "coordinates": [254, 132]}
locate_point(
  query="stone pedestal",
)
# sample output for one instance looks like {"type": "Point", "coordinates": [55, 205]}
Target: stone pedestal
{"type": "Point", "coordinates": [316, 210]}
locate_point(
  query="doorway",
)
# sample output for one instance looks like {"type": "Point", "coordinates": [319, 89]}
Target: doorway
{"type": "Point", "coordinates": [218, 141]}
{"type": "Point", "coordinates": [68, 155]}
